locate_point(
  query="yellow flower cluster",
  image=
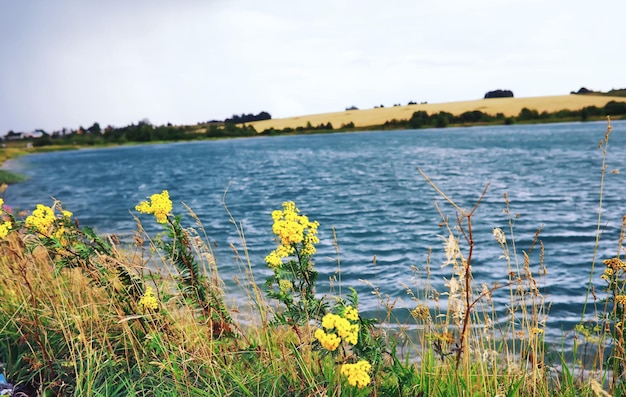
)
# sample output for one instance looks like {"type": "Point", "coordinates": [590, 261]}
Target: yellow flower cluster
{"type": "Point", "coordinates": [291, 229]}
{"type": "Point", "coordinates": [351, 313]}
{"type": "Point", "coordinates": [148, 301]}
{"type": "Point", "coordinates": [608, 274]}
{"type": "Point", "coordinates": [41, 218]}
{"type": "Point", "coordinates": [615, 264]}
{"type": "Point", "coordinates": [4, 229]}
{"type": "Point", "coordinates": [338, 328]}
{"type": "Point", "coordinates": [357, 374]}
{"type": "Point", "coordinates": [329, 341]}
{"type": "Point", "coordinates": [6, 225]}
{"type": "Point", "coordinates": [160, 205]}
{"type": "Point", "coordinates": [285, 286]}
{"type": "Point", "coordinates": [620, 299]}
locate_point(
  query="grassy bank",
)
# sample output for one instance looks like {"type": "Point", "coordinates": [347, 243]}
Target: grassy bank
{"type": "Point", "coordinates": [84, 315]}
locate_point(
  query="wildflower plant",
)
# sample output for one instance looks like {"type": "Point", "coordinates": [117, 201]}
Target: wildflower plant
{"type": "Point", "coordinates": [194, 284]}
{"type": "Point", "coordinates": [615, 277]}
{"type": "Point", "coordinates": [343, 338]}
{"type": "Point", "coordinates": [293, 280]}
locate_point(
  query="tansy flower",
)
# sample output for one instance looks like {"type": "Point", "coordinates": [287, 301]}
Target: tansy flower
{"type": "Point", "coordinates": [41, 218]}
{"type": "Point", "coordinates": [160, 205]}
{"type": "Point", "coordinates": [620, 299]}
{"type": "Point", "coordinates": [615, 264]}
{"type": "Point", "coordinates": [4, 229]}
{"type": "Point", "coordinates": [351, 313]}
{"type": "Point", "coordinates": [148, 301]}
{"type": "Point", "coordinates": [345, 330]}
{"type": "Point", "coordinates": [329, 342]}
{"type": "Point", "coordinates": [293, 231]}
{"type": "Point", "coordinates": [357, 374]}
{"type": "Point", "coordinates": [274, 260]}
{"type": "Point", "coordinates": [285, 286]}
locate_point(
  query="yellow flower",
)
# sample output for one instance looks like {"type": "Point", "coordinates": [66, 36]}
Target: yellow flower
{"type": "Point", "coordinates": [357, 374]}
{"type": "Point", "coordinates": [620, 299]}
{"type": "Point", "coordinates": [41, 218]}
{"type": "Point", "coordinates": [328, 321]}
{"type": "Point", "coordinates": [285, 286]}
{"type": "Point", "coordinates": [292, 228]}
{"type": "Point", "coordinates": [351, 313]}
{"type": "Point", "coordinates": [615, 264]}
{"type": "Point", "coordinates": [345, 330]}
{"type": "Point", "coordinates": [4, 228]}
{"type": "Point", "coordinates": [160, 205]}
{"type": "Point", "coordinates": [148, 301]}
{"type": "Point", "coordinates": [67, 214]}
{"type": "Point", "coordinates": [329, 342]}
{"type": "Point", "coordinates": [61, 235]}
{"type": "Point", "coordinates": [536, 331]}
{"type": "Point", "coordinates": [273, 260]}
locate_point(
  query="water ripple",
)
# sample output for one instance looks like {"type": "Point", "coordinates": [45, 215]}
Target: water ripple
{"type": "Point", "coordinates": [366, 185]}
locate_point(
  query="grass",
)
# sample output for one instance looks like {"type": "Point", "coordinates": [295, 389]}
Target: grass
{"type": "Point", "coordinates": [82, 314]}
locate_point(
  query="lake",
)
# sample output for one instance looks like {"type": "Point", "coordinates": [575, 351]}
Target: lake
{"type": "Point", "coordinates": [367, 186]}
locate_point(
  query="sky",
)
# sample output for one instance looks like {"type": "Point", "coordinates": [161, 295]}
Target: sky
{"type": "Point", "coordinates": [71, 63]}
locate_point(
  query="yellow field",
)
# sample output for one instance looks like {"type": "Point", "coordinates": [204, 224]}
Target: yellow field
{"type": "Point", "coordinates": [507, 106]}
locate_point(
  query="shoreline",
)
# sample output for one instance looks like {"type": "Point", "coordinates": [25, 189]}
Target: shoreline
{"type": "Point", "coordinates": [355, 120]}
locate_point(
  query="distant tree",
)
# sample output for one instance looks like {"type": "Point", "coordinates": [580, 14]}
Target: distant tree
{"type": "Point", "coordinates": [499, 94]}
{"type": "Point", "coordinates": [584, 114]}
{"type": "Point", "coordinates": [352, 108]}
{"type": "Point", "coordinates": [419, 119]}
{"type": "Point", "coordinates": [527, 114]}
{"type": "Point", "coordinates": [247, 118]}
{"type": "Point", "coordinates": [95, 129]}
{"type": "Point", "coordinates": [614, 108]}
{"type": "Point", "coordinates": [443, 119]}
{"type": "Point", "coordinates": [471, 117]}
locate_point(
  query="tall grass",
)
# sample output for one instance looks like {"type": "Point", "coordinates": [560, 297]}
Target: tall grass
{"type": "Point", "coordinates": [84, 315]}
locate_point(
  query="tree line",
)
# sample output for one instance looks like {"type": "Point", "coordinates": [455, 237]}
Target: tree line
{"type": "Point", "coordinates": [143, 131]}
{"type": "Point", "coordinates": [422, 119]}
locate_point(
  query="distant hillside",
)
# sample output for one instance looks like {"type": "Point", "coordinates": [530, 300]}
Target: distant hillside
{"type": "Point", "coordinates": [508, 107]}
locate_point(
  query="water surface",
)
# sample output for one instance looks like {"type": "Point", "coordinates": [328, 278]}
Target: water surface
{"type": "Point", "coordinates": [366, 185]}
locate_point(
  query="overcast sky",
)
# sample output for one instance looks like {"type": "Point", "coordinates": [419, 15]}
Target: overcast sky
{"type": "Point", "coordinates": [71, 63]}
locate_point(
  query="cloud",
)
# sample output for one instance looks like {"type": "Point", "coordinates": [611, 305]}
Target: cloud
{"type": "Point", "coordinates": [70, 63]}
